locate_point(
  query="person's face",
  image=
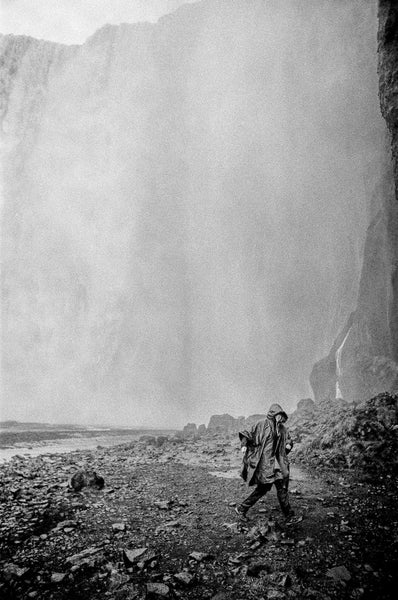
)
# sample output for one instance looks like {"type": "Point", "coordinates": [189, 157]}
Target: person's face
{"type": "Point", "coordinates": [280, 419]}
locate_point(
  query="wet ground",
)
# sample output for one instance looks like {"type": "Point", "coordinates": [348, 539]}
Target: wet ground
{"type": "Point", "coordinates": [34, 442]}
{"type": "Point", "coordinates": [296, 474]}
{"type": "Point", "coordinates": [164, 526]}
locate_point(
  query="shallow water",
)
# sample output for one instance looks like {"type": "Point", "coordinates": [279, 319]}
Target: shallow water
{"type": "Point", "coordinates": [61, 446]}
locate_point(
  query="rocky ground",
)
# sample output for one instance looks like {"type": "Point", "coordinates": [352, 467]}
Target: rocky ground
{"type": "Point", "coordinates": [164, 527]}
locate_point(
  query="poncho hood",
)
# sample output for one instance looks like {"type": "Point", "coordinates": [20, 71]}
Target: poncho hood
{"type": "Point", "coordinates": [276, 409]}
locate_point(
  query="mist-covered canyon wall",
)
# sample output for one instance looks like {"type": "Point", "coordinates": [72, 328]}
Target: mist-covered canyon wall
{"type": "Point", "coordinates": [185, 207]}
{"type": "Point", "coordinates": [363, 360]}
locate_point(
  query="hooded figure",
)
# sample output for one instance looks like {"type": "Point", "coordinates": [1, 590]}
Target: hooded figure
{"type": "Point", "coordinates": [265, 461]}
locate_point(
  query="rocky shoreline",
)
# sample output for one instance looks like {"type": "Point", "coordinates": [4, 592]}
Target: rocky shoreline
{"type": "Point", "coordinates": [164, 526]}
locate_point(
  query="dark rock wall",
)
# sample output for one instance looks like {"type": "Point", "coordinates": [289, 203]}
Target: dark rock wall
{"type": "Point", "coordinates": [368, 358]}
{"type": "Point", "coordinates": [388, 85]}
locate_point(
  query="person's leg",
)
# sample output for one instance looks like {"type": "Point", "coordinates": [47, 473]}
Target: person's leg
{"type": "Point", "coordinates": [283, 497]}
{"type": "Point", "coordinates": [260, 491]}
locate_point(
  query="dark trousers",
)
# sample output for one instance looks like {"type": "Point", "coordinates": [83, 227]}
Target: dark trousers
{"type": "Point", "coordinates": [262, 489]}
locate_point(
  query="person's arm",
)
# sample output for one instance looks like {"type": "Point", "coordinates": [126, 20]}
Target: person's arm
{"type": "Point", "coordinates": [245, 440]}
{"type": "Point", "coordinates": [289, 442]}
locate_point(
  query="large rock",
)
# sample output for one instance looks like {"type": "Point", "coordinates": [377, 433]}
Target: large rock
{"type": "Point", "coordinates": [202, 429]}
{"type": "Point", "coordinates": [190, 430]}
{"type": "Point", "coordinates": [148, 440]}
{"type": "Point", "coordinates": [306, 406]}
{"type": "Point", "coordinates": [224, 423]}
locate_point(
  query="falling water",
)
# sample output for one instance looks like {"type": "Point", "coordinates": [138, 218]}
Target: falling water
{"type": "Point", "coordinates": [339, 395]}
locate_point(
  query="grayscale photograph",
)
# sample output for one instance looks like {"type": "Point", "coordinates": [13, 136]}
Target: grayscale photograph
{"type": "Point", "coordinates": [199, 299]}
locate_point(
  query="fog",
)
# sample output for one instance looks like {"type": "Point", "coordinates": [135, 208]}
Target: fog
{"type": "Point", "coordinates": [185, 208]}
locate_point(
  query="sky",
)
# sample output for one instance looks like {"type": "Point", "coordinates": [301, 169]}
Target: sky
{"type": "Point", "coordinates": [73, 21]}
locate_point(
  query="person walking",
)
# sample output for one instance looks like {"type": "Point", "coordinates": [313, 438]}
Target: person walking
{"type": "Point", "coordinates": [265, 461]}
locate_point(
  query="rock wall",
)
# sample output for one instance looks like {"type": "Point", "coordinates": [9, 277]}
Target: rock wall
{"type": "Point", "coordinates": [363, 359]}
{"type": "Point", "coordinates": [388, 86]}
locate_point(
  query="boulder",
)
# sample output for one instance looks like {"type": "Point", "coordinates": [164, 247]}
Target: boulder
{"type": "Point", "coordinates": [161, 440]}
{"type": "Point", "coordinates": [148, 440]}
{"type": "Point", "coordinates": [190, 430]}
{"type": "Point", "coordinates": [340, 573]}
{"type": "Point", "coordinates": [306, 406]}
{"type": "Point", "coordinates": [202, 430]}
{"type": "Point", "coordinates": [225, 424]}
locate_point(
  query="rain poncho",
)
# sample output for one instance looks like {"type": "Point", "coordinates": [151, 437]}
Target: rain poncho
{"type": "Point", "coordinates": [266, 459]}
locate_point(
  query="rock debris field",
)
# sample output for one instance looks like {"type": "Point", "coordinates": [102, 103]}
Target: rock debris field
{"type": "Point", "coordinates": [164, 526]}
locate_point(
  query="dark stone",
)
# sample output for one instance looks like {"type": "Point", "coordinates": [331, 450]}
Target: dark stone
{"type": "Point", "coordinates": [190, 430]}
{"type": "Point", "coordinates": [256, 568]}
{"type": "Point", "coordinates": [148, 440]}
{"type": "Point", "coordinates": [202, 430]}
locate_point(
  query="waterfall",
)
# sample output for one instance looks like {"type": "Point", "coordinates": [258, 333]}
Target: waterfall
{"type": "Point", "coordinates": [339, 395]}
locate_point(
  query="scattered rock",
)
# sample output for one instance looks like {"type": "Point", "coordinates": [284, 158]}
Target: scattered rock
{"type": "Point", "coordinates": [66, 524]}
{"type": "Point", "coordinates": [273, 594]}
{"type": "Point", "coordinates": [288, 542]}
{"type": "Point", "coordinates": [199, 556]}
{"type": "Point", "coordinates": [285, 580]}
{"type": "Point", "coordinates": [256, 568]}
{"type": "Point", "coordinates": [10, 571]}
{"type": "Point", "coordinates": [339, 573]}
{"type": "Point", "coordinates": [131, 557]}
{"type": "Point", "coordinates": [157, 590]}
{"type": "Point", "coordinates": [184, 577]}
{"type": "Point", "coordinates": [164, 504]}
{"type": "Point", "coordinates": [77, 558]}
{"type": "Point", "coordinates": [58, 577]}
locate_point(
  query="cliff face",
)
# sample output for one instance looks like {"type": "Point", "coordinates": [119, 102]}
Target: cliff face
{"type": "Point", "coordinates": [185, 207]}
{"type": "Point", "coordinates": [363, 359]}
{"type": "Point", "coordinates": [388, 83]}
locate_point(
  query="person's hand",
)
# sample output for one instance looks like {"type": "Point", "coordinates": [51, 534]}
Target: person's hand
{"type": "Point", "coordinates": [243, 449]}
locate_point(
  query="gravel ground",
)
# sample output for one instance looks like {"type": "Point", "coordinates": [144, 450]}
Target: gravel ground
{"type": "Point", "coordinates": [163, 526]}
